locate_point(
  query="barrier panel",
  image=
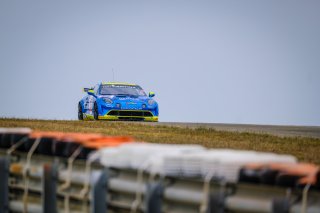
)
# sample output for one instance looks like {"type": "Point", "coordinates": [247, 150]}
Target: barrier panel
{"type": "Point", "coordinates": [72, 172]}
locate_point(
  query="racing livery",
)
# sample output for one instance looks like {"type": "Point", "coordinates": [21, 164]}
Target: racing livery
{"type": "Point", "coordinates": [118, 101]}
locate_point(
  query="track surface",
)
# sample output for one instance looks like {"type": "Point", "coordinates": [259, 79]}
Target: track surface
{"type": "Point", "coordinates": [285, 131]}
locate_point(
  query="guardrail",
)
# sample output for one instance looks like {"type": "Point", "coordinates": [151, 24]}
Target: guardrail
{"type": "Point", "coordinates": [54, 172]}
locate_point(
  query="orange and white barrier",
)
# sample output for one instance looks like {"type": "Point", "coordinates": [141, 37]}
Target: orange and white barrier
{"type": "Point", "coordinates": [43, 171]}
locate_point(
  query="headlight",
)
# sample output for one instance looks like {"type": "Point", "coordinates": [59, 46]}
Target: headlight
{"type": "Point", "coordinates": [151, 102]}
{"type": "Point", "coordinates": [107, 100]}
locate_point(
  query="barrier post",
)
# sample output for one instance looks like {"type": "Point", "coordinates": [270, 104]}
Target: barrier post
{"type": "Point", "coordinates": [99, 191]}
{"type": "Point", "coordinates": [280, 205]}
{"type": "Point", "coordinates": [4, 187]}
{"type": "Point", "coordinates": [154, 197]}
{"type": "Point", "coordinates": [216, 203]}
{"type": "Point", "coordinates": [50, 178]}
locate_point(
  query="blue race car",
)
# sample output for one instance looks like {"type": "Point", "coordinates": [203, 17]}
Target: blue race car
{"type": "Point", "coordinates": [118, 101]}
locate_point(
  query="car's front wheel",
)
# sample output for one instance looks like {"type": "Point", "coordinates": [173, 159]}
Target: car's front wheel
{"type": "Point", "coordinates": [80, 113]}
{"type": "Point", "coordinates": [95, 111]}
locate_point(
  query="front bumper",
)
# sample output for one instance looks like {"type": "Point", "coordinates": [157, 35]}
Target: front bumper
{"type": "Point", "coordinates": [131, 115]}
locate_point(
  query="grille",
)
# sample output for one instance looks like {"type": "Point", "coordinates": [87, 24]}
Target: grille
{"type": "Point", "coordinates": [130, 113]}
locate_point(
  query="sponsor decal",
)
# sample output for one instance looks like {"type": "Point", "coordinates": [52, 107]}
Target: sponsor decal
{"type": "Point", "coordinates": [127, 98]}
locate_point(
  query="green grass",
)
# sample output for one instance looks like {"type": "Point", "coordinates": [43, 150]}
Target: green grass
{"type": "Point", "coordinates": [306, 149]}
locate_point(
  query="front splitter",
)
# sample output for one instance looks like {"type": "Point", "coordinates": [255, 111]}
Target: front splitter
{"type": "Point", "coordinates": [129, 118]}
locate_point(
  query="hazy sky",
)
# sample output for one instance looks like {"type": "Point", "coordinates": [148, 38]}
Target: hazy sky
{"type": "Point", "coordinates": [207, 61]}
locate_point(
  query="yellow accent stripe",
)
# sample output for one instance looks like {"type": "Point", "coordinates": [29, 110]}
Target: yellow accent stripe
{"type": "Point", "coordinates": [87, 117]}
{"type": "Point", "coordinates": [118, 83]}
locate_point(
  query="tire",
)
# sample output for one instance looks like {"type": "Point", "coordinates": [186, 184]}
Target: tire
{"type": "Point", "coordinates": [80, 113]}
{"type": "Point", "coordinates": [95, 111]}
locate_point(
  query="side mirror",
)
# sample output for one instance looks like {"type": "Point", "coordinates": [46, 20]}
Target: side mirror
{"type": "Point", "coordinates": [151, 94]}
{"type": "Point", "coordinates": [86, 89]}
{"type": "Point", "coordinates": [91, 92]}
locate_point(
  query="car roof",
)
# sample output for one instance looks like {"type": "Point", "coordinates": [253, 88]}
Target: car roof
{"type": "Point", "coordinates": [118, 83]}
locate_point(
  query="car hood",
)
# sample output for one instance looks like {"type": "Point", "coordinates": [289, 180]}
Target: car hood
{"type": "Point", "coordinates": [131, 102]}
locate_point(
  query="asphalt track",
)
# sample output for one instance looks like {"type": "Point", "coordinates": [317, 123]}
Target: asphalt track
{"type": "Point", "coordinates": [283, 131]}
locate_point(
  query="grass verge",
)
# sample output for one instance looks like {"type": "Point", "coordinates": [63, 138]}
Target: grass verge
{"type": "Point", "coordinates": [305, 149]}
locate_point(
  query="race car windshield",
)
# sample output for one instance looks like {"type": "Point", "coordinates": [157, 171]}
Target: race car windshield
{"type": "Point", "coordinates": [122, 90]}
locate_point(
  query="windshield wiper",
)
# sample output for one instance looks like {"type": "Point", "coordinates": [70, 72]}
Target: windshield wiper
{"type": "Point", "coordinates": [128, 95]}
{"type": "Point", "coordinates": [122, 94]}
{"type": "Point", "coordinates": [117, 94]}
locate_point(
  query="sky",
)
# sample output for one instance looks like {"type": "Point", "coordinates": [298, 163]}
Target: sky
{"type": "Point", "coordinates": [252, 62]}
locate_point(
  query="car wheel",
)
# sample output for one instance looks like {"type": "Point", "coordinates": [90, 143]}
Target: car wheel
{"type": "Point", "coordinates": [80, 113]}
{"type": "Point", "coordinates": [95, 111]}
